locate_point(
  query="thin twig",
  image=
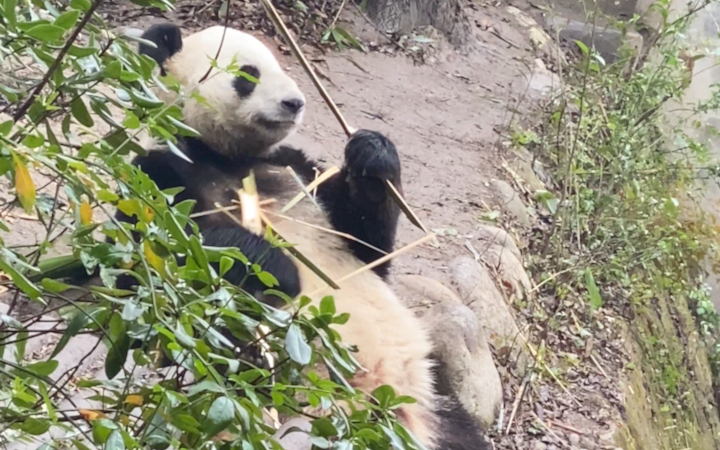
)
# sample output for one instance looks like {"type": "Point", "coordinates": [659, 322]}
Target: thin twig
{"type": "Point", "coordinates": [327, 230]}
{"type": "Point", "coordinates": [311, 187]}
{"type": "Point", "coordinates": [304, 189]}
{"type": "Point", "coordinates": [380, 261]}
{"type": "Point", "coordinates": [222, 41]}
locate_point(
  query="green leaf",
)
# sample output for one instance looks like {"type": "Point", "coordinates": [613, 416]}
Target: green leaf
{"type": "Point", "coordinates": [9, 9]}
{"type": "Point", "coordinates": [204, 386]}
{"type": "Point", "coordinates": [582, 47]}
{"type": "Point", "coordinates": [298, 350]}
{"type": "Point", "coordinates": [117, 354]}
{"type": "Point", "coordinates": [177, 152]}
{"type": "Point", "coordinates": [46, 32]}
{"type": "Point", "coordinates": [327, 305]}
{"type": "Point", "coordinates": [186, 423]}
{"type": "Point", "coordinates": [33, 141]}
{"type": "Point", "coordinates": [35, 427]}
{"type": "Point", "coordinates": [131, 311]}
{"type": "Point", "coordinates": [186, 130]}
{"type": "Point", "coordinates": [267, 279]}
{"type": "Point", "coordinates": [115, 441]}
{"type": "Point", "coordinates": [82, 5]}
{"type": "Point", "coordinates": [80, 446]}
{"type": "Point", "coordinates": [68, 19]}
{"type": "Point", "coordinates": [21, 281]}
{"type": "Point", "coordinates": [226, 264]}
{"type": "Point", "coordinates": [72, 329]}
{"type": "Point", "coordinates": [6, 127]}
{"type": "Point", "coordinates": [198, 253]}
{"type": "Point", "coordinates": [54, 286]}
{"type": "Point", "coordinates": [114, 69]}
{"type": "Point", "coordinates": [43, 368]}
{"type": "Point", "coordinates": [176, 231]}
{"type": "Point", "coordinates": [81, 113]}
{"type": "Point", "coordinates": [183, 338]}
{"type": "Point", "coordinates": [593, 291]}
{"type": "Point", "coordinates": [384, 394]}
{"type": "Point", "coordinates": [219, 416]}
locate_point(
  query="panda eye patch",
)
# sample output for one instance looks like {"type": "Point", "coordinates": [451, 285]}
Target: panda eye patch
{"type": "Point", "coordinates": [242, 85]}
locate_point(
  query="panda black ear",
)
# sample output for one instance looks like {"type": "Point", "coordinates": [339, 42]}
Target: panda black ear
{"type": "Point", "coordinates": [168, 39]}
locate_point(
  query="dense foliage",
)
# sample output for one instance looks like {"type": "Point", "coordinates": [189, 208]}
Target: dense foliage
{"type": "Point", "coordinates": [628, 235]}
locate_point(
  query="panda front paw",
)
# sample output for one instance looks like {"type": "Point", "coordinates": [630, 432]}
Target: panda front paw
{"type": "Point", "coordinates": [371, 159]}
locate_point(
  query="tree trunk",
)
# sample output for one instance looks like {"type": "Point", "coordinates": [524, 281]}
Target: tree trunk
{"type": "Point", "coordinates": [403, 16]}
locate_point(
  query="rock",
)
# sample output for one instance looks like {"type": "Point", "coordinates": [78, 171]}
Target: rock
{"type": "Point", "coordinates": [529, 169]}
{"type": "Point", "coordinates": [295, 439]}
{"type": "Point", "coordinates": [422, 293]}
{"type": "Point", "coordinates": [500, 253]}
{"type": "Point", "coordinates": [541, 82]}
{"type": "Point", "coordinates": [466, 365]}
{"type": "Point", "coordinates": [539, 38]}
{"type": "Point", "coordinates": [574, 439]}
{"type": "Point", "coordinates": [510, 201]}
{"type": "Point", "coordinates": [478, 291]}
{"type": "Point", "coordinates": [607, 40]}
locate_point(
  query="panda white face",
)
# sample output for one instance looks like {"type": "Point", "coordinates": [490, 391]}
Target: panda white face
{"type": "Point", "coordinates": [234, 113]}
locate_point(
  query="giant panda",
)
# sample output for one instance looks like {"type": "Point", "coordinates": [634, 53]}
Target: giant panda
{"type": "Point", "coordinates": [242, 123]}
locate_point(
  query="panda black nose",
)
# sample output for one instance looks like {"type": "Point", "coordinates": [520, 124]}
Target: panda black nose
{"type": "Point", "coordinates": [294, 105]}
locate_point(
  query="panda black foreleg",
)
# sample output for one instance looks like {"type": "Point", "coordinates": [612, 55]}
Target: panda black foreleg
{"type": "Point", "coordinates": [357, 199]}
{"type": "Point", "coordinates": [359, 202]}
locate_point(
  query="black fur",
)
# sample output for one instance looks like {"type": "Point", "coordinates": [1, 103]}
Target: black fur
{"type": "Point", "coordinates": [168, 39]}
{"type": "Point", "coordinates": [458, 429]}
{"type": "Point", "coordinates": [354, 199]}
{"type": "Point", "coordinates": [357, 200]}
{"type": "Point", "coordinates": [242, 85]}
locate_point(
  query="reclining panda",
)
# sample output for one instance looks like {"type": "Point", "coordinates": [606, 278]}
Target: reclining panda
{"type": "Point", "coordinates": [241, 121]}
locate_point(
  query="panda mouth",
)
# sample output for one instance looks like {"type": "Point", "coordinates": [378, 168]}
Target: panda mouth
{"type": "Point", "coordinates": [271, 123]}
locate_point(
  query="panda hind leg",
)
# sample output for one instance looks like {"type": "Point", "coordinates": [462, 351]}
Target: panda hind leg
{"type": "Point", "coordinates": [457, 429]}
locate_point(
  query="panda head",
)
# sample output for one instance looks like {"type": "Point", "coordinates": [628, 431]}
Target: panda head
{"type": "Point", "coordinates": [233, 113]}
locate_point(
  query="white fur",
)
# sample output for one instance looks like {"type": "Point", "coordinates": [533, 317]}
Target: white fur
{"type": "Point", "coordinates": [222, 117]}
{"type": "Point", "coordinates": [393, 345]}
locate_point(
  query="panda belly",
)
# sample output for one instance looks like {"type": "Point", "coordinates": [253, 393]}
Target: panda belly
{"type": "Point", "coordinates": [392, 344]}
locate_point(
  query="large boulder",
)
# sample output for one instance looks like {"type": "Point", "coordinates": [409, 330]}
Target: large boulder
{"type": "Point", "coordinates": [465, 361]}
{"type": "Point", "coordinates": [499, 253]}
{"type": "Point", "coordinates": [466, 366]}
{"type": "Point", "coordinates": [478, 291]}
